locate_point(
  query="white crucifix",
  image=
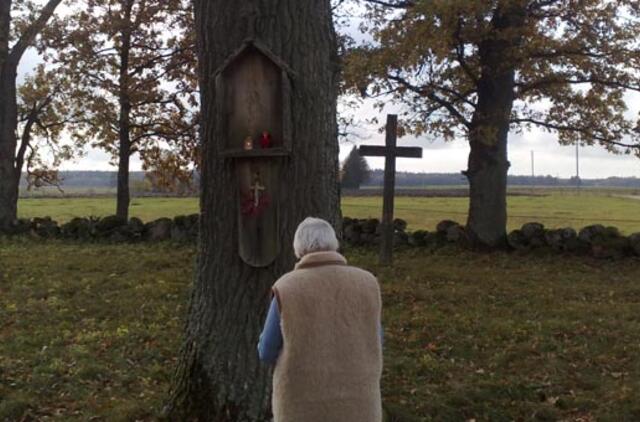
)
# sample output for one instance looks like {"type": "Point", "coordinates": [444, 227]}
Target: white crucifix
{"type": "Point", "coordinates": [257, 188]}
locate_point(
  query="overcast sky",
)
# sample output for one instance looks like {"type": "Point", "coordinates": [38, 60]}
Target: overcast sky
{"type": "Point", "coordinates": [439, 157]}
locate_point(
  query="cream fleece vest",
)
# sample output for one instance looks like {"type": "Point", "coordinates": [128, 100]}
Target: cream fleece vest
{"type": "Point", "coordinates": [330, 365]}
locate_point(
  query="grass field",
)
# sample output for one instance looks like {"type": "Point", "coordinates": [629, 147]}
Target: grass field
{"type": "Point", "coordinates": [554, 210]}
{"type": "Point", "coordinates": [64, 209]}
{"type": "Point", "coordinates": [557, 209]}
{"type": "Point", "coordinates": [91, 333]}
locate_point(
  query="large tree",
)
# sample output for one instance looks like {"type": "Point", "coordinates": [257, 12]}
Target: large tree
{"type": "Point", "coordinates": [134, 65]}
{"type": "Point", "coordinates": [219, 377]}
{"type": "Point", "coordinates": [20, 24]}
{"type": "Point", "coordinates": [477, 69]}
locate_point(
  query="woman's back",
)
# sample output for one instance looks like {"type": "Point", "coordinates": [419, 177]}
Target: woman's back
{"type": "Point", "coordinates": [331, 361]}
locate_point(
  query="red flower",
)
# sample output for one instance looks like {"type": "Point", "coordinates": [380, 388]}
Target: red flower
{"type": "Point", "coordinates": [248, 205]}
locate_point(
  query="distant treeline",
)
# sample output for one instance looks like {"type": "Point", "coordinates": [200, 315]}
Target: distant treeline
{"type": "Point", "coordinates": [107, 179]}
{"type": "Point", "coordinates": [457, 179]}
{"type": "Point", "coordinates": [91, 179]}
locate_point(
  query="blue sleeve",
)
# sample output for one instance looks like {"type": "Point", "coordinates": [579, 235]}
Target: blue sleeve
{"type": "Point", "coordinates": [271, 338]}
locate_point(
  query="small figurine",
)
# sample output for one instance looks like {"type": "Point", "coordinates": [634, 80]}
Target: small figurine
{"type": "Point", "coordinates": [265, 140]}
{"type": "Point", "coordinates": [248, 143]}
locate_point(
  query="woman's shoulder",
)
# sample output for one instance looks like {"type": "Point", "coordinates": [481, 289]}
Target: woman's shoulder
{"type": "Point", "coordinates": [287, 278]}
{"type": "Point", "coordinates": [343, 272]}
{"type": "Point", "coordinates": [362, 273]}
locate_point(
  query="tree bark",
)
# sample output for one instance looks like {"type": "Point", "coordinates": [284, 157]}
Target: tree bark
{"type": "Point", "coordinates": [9, 183]}
{"type": "Point", "coordinates": [488, 164]}
{"type": "Point", "coordinates": [123, 197]}
{"type": "Point", "coordinates": [219, 377]}
{"type": "Point", "coordinates": [5, 27]}
{"type": "Point", "coordinates": [8, 122]}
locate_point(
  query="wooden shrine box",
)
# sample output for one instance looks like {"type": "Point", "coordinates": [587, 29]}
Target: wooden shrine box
{"type": "Point", "coordinates": [253, 92]}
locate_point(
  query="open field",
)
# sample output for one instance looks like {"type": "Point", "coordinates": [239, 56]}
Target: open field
{"type": "Point", "coordinates": [64, 209]}
{"type": "Point", "coordinates": [91, 332]}
{"type": "Point", "coordinates": [68, 191]}
{"type": "Point", "coordinates": [556, 209]}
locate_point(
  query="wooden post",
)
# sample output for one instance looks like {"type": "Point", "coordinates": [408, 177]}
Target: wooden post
{"type": "Point", "coordinates": [390, 151]}
{"type": "Point", "coordinates": [386, 246]}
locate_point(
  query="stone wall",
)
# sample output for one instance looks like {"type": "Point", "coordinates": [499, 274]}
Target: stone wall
{"type": "Point", "coordinates": [182, 228]}
{"type": "Point", "coordinates": [595, 240]}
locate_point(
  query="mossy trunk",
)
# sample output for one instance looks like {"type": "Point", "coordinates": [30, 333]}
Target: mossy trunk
{"type": "Point", "coordinates": [219, 377]}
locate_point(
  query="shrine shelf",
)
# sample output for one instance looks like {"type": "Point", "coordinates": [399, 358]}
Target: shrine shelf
{"type": "Point", "coordinates": [255, 153]}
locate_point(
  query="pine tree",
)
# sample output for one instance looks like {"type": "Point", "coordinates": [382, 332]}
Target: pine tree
{"type": "Point", "coordinates": [355, 170]}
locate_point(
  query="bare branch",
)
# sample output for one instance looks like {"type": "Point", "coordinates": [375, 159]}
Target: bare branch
{"type": "Point", "coordinates": [395, 5]}
{"type": "Point", "coordinates": [427, 92]}
{"type": "Point", "coordinates": [460, 52]}
{"type": "Point", "coordinates": [542, 83]}
{"type": "Point", "coordinates": [33, 30]}
{"type": "Point", "coordinates": [535, 5]}
{"type": "Point", "coordinates": [587, 132]}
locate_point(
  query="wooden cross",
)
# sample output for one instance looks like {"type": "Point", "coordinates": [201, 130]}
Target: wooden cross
{"type": "Point", "coordinates": [390, 151]}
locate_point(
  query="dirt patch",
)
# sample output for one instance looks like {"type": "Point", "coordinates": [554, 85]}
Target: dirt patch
{"type": "Point", "coordinates": [636, 197]}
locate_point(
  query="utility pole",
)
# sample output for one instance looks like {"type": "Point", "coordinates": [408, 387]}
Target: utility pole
{"type": "Point", "coordinates": [578, 165]}
{"type": "Point", "coordinates": [533, 173]}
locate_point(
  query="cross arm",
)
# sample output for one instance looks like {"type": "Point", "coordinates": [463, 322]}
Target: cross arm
{"type": "Point", "coordinates": [381, 151]}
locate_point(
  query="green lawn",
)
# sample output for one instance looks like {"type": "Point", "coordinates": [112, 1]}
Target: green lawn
{"type": "Point", "coordinates": [558, 209]}
{"type": "Point", "coordinates": [91, 332]}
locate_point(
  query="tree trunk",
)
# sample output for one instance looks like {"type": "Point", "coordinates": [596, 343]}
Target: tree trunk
{"type": "Point", "coordinates": [9, 59]}
{"type": "Point", "coordinates": [488, 163]}
{"type": "Point", "coordinates": [219, 377]}
{"type": "Point", "coordinates": [124, 154]}
{"type": "Point", "coordinates": [124, 122]}
{"type": "Point", "coordinates": [9, 183]}
{"type": "Point", "coordinates": [5, 30]}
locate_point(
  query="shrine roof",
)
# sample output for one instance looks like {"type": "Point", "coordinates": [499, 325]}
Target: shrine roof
{"type": "Point", "coordinates": [260, 47]}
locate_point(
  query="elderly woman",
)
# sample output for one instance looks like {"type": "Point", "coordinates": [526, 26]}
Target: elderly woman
{"type": "Point", "coordinates": [323, 333]}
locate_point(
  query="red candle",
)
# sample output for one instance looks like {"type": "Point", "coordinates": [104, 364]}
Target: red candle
{"type": "Point", "coordinates": [265, 140]}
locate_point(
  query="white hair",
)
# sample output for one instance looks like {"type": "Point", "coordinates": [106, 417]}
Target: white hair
{"type": "Point", "coordinates": [314, 235]}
